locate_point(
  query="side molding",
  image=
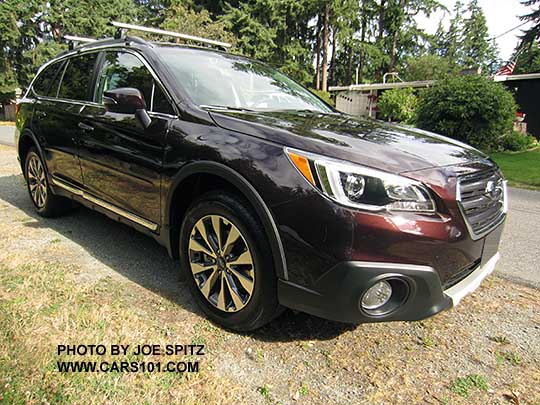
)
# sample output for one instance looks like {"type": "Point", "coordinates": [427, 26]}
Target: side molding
{"type": "Point", "coordinates": [128, 215]}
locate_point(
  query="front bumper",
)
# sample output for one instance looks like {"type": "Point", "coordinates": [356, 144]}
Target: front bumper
{"type": "Point", "coordinates": [337, 295]}
{"type": "Point", "coordinates": [472, 281]}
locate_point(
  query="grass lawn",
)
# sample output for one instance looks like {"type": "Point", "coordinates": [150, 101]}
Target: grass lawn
{"type": "Point", "coordinates": [522, 169]}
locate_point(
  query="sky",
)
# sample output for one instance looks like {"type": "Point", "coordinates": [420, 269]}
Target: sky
{"type": "Point", "coordinates": [501, 15]}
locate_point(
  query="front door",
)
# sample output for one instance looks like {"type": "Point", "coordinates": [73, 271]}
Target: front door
{"type": "Point", "coordinates": [121, 160]}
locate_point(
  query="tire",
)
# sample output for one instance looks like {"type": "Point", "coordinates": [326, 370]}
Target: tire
{"type": "Point", "coordinates": [231, 291]}
{"type": "Point", "coordinates": [45, 202]}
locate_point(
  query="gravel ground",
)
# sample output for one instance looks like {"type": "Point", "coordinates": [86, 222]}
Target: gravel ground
{"type": "Point", "coordinates": [487, 350]}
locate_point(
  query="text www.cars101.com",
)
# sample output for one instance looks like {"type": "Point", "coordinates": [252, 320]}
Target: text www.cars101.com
{"type": "Point", "coordinates": [127, 366]}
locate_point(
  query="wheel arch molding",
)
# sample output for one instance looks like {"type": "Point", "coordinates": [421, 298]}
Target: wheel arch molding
{"type": "Point", "coordinates": [236, 181]}
{"type": "Point", "coordinates": [26, 140]}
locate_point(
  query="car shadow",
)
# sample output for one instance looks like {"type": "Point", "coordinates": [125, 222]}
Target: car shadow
{"type": "Point", "coordinates": [142, 260]}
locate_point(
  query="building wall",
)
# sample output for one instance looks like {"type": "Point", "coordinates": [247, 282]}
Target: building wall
{"type": "Point", "coordinates": [527, 95]}
{"type": "Point", "coordinates": [360, 103]}
{"type": "Point", "coordinates": [7, 112]}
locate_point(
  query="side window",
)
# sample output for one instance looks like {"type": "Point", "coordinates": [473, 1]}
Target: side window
{"type": "Point", "coordinates": [77, 77]}
{"type": "Point", "coordinates": [122, 69]}
{"type": "Point", "coordinates": [42, 84]}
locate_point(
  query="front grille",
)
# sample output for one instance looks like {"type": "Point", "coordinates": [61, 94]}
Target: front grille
{"type": "Point", "coordinates": [481, 197]}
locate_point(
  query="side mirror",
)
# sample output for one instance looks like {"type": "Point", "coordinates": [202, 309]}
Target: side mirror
{"type": "Point", "coordinates": [127, 100]}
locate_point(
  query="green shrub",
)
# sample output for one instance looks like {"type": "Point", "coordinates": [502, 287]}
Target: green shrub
{"type": "Point", "coordinates": [324, 95]}
{"type": "Point", "coordinates": [516, 142]}
{"type": "Point", "coordinates": [472, 109]}
{"type": "Point", "coordinates": [398, 105]}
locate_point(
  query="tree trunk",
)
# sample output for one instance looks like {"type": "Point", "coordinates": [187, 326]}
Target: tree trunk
{"type": "Point", "coordinates": [381, 35]}
{"type": "Point", "coordinates": [381, 19]}
{"type": "Point", "coordinates": [333, 58]}
{"type": "Point", "coordinates": [326, 30]}
{"type": "Point", "coordinates": [363, 29]}
{"type": "Point", "coordinates": [395, 37]}
{"type": "Point", "coordinates": [393, 52]}
{"type": "Point", "coordinates": [318, 56]}
{"type": "Point", "coordinates": [349, 65]}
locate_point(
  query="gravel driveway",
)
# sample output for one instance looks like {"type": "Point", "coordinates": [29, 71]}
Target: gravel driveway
{"type": "Point", "coordinates": [487, 350]}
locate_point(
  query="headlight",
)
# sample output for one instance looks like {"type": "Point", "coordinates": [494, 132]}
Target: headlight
{"type": "Point", "coordinates": [361, 187]}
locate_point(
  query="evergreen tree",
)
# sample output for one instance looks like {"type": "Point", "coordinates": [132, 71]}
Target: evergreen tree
{"type": "Point", "coordinates": [477, 48]}
{"type": "Point", "coordinates": [528, 59]}
{"type": "Point", "coordinates": [533, 33]}
{"type": "Point", "coordinates": [452, 40]}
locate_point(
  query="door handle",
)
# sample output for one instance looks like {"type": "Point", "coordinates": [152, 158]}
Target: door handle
{"type": "Point", "coordinates": [41, 114]}
{"type": "Point", "coordinates": [85, 127]}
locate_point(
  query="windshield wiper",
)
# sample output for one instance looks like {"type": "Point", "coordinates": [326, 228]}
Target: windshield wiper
{"type": "Point", "coordinates": [224, 108]}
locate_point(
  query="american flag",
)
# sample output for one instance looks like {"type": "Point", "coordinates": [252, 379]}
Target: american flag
{"type": "Point", "coordinates": [507, 69]}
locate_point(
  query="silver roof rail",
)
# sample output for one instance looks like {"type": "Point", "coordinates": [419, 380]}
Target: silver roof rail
{"type": "Point", "coordinates": [123, 27]}
{"type": "Point", "coordinates": [75, 40]}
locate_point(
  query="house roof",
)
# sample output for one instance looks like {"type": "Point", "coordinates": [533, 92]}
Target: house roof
{"type": "Point", "coordinates": [423, 83]}
{"type": "Point", "coordinates": [530, 76]}
{"type": "Point", "coordinates": [382, 86]}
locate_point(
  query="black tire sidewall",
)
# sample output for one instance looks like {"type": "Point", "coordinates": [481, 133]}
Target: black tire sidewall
{"type": "Point", "coordinates": [263, 303]}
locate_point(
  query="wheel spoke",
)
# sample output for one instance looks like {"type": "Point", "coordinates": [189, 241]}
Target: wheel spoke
{"type": "Point", "coordinates": [235, 295]}
{"type": "Point", "coordinates": [41, 195]}
{"type": "Point", "coordinates": [32, 167]}
{"type": "Point", "coordinates": [216, 225]}
{"type": "Point", "coordinates": [232, 237]}
{"type": "Point", "coordinates": [202, 230]}
{"type": "Point", "coordinates": [246, 282]}
{"type": "Point", "coordinates": [244, 258]}
{"type": "Point", "coordinates": [221, 297]}
{"type": "Point", "coordinates": [197, 268]}
{"type": "Point", "coordinates": [200, 247]}
{"type": "Point", "coordinates": [209, 283]}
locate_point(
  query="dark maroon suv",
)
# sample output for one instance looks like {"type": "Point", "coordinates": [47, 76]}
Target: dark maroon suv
{"type": "Point", "coordinates": [267, 195]}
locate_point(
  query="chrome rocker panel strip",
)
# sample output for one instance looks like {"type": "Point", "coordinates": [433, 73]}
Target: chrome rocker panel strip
{"type": "Point", "coordinates": [472, 281]}
{"type": "Point", "coordinates": [128, 215]}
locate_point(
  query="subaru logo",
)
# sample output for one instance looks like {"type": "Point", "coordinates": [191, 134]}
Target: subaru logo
{"type": "Point", "coordinates": [493, 189]}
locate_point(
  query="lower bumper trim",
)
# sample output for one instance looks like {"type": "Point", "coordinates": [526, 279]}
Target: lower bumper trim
{"type": "Point", "coordinates": [472, 281]}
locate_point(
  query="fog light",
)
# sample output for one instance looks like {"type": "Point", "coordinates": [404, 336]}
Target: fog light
{"type": "Point", "coordinates": [377, 295]}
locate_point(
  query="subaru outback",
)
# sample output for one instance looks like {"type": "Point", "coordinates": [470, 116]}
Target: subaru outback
{"type": "Point", "coordinates": [269, 197]}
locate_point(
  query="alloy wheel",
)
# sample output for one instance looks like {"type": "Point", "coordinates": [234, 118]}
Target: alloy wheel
{"type": "Point", "coordinates": [37, 181]}
{"type": "Point", "coordinates": [221, 263]}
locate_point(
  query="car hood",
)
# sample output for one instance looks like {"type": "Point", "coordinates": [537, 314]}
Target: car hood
{"type": "Point", "coordinates": [372, 143]}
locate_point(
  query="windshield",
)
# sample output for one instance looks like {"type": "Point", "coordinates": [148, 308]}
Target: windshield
{"type": "Point", "coordinates": [214, 79]}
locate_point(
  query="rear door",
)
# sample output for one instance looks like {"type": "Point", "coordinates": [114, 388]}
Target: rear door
{"type": "Point", "coordinates": [121, 160]}
{"type": "Point", "coordinates": [57, 115]}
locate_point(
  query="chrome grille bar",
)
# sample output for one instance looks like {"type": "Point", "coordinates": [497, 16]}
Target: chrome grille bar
{"type": "Point", "coordinates": [482, 201]}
